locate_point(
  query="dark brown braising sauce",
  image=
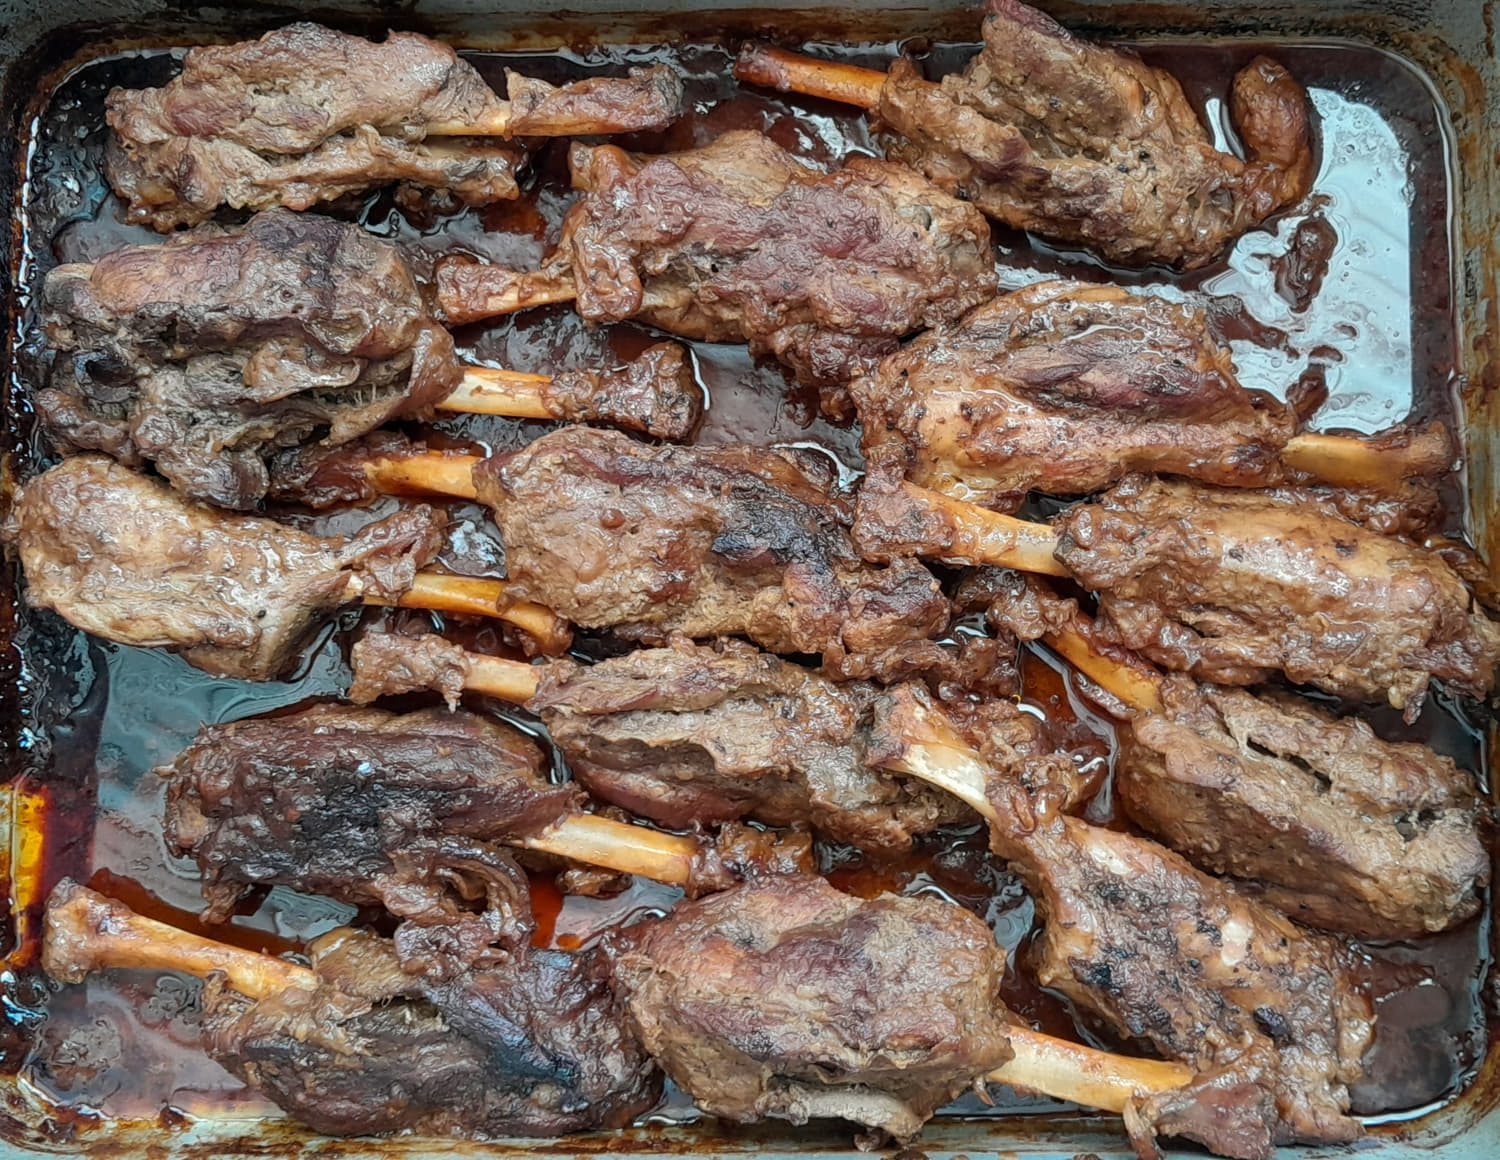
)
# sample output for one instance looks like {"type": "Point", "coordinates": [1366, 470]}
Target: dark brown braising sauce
{"type": "Point", "coordinates": [96, 717]}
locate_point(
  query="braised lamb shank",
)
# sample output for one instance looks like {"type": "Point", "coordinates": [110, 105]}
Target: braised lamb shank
{"type": "Point", "coordinates": [125, 557]}
{"type": "Point", "coordinates": [214, 353]}
{"type": "Point", "coordinates": [1268, 1015]}
{"type": "Point", "coordinates": [704, 541]}
{"type": "Point", "coordinates": [1234, 586]}
{"type": "Point", "coordinates": [1231, 585]}
{"type": "Point", "coordinates": [370, 807]}
{"type": "Point", "coordinates": [357, 1046]}
{"type": "Point", "coordinates": [740, 242]}
{"type": "Point", "coordinates": [1311, 812]}
{"type": "Point", "coordinates": [786, 999]}
{"type": "Point", "coordinates": [306, 115]}
{"type": "Point", "coordinates": [1067, 387]}
{"type": "Point", "coordinates": [1089, 145]}
{"type": "Point", "coordinates": [694, 735]}
{"type": "Point", "coordinates": [1080, 143]}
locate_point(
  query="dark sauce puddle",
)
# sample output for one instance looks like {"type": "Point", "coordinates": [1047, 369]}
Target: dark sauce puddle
{"type": "Point", "coordinates": [1368, 314]}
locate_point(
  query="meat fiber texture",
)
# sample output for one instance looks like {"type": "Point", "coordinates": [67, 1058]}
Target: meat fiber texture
{"type": "Point", "coordinates": [207, 355]}
{"type": "Point", "coordinates": [1088, 145]}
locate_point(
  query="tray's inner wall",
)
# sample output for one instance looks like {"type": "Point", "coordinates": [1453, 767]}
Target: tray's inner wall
{"type": "Point", "coordinates": [1381, 336]}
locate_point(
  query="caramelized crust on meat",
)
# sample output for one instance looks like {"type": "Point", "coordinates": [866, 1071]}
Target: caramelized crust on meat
{"type": "Point", "coordinates": [370, 807]}
{"type": "Point", "coordinates": [1088, 145]}
{"type": "Point", "coordinates": [692, 735]}
{"type": "Point", "coordinates": [1233, 586]}
{"type": "Point", "coordinates": [538, 1047]}
{"type": "Point", "coordinates": [301, 116]}
{"type": "Point", "coordinates": [653, 394]}
{"type": "Point", "coordinates": [712, 541]}
{"type": "Point", "coordinates": [1269, 1015]}
{"type": "Point", "coordinates": [219, 355]}
{"type": "Point", "coordinates": [740, 242]}
{"type": "Point", "coordinates": [784, 998]}
{"type": "Point", "coordinates": [1065, 387]}
{"type": "Point", "coordinates": [127, 558]}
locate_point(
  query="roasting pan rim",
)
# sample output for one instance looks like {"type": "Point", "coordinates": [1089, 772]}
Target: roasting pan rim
{"type": "Point", "coordinates": [1468, 1126]}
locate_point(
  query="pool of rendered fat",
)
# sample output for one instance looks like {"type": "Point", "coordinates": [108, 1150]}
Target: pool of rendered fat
{"type": "Point", "coordinates": [99, 716]}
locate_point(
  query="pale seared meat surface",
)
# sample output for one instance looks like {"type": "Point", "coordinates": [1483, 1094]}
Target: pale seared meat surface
{"type": "Point", "coordinates": [125, 557]}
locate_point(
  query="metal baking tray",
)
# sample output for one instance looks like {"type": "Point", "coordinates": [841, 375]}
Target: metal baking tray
{"type": "Point", "coordinates": [1445, 49]}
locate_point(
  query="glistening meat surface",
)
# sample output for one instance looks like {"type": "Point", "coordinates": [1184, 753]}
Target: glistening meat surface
{"type": "Point", "coordinates": [739, 241]}
{"type": "Point", "coordinates": [537, 1047]}
{"type": "Point", "coordinates": [1233, 586]}
{"type": "Point", "coordinates": [1065, 387]}
{"type": "Point", "coordinates": [371, 807]}
{"type": "Point", "coordinates": [1087, 144]}
{"type": "Point", "coordinates": [125, 557]}
{"type": "Point", "coordinates": [1269, 1016]}
{"type": "Point", "coordinates": [1314, 813]}
{"type": "Point", "coordinates": [206, 355]}
{"type": "Point", "coordinates": [713, 541]}
{"type": "Point", "coordinates": [693, 734]}
{"type": "Point", "coordinates": [785, 998]}
{"type": "Point", "coordinates": [222, 354]}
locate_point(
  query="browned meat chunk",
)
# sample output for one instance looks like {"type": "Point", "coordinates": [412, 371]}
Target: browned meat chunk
{"type": "Point", "coordinates": [126, 558]}
{"type": "Point", "coordinates": [1172, 958]}
{"type": "Point", "coordinates": [1410, 508]}
{"type": "Point", "coordinates": [784, 998]}
{"type": "Point", "coordinates": [712, 541]}
{"type": "Point", "coordinates": [209, 353]}
{"type": "Point", "coordinates": [648, 98]}
{"type": "Point", "coordinates": [1233, 586]}
{"type": "Point", "coordinates": [740, 242]}
{"type": "Point", "coordinates": [1088, 145]}
{"type": "Point", "coordinates": [389, 664]}
{"type": "Point", "coordinates": [1065, 388]}
{"type": "Point", "coordinates": [1268, 1015]}
{"type": "Point", "coordinates": [220, 351]}
{"type": "Point", "coordinates": [1312, 812]}
{"type": "Point", "coordinates": [692, 734]}
{"type": "Point", "coordinates": [307, 114]}
{"type": "Point", "coordinates": [540, 1047]}
{"type": "Point", "coordinates": [370, 807]}
{"type": "Point", "coordinates": [654, 394]}
{"type": "Point", "coordinates": [1323, 820]}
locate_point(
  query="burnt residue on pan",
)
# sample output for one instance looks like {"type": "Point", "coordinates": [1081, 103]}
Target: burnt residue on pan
{"type": "Point", "coordinates": [90, 719]}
